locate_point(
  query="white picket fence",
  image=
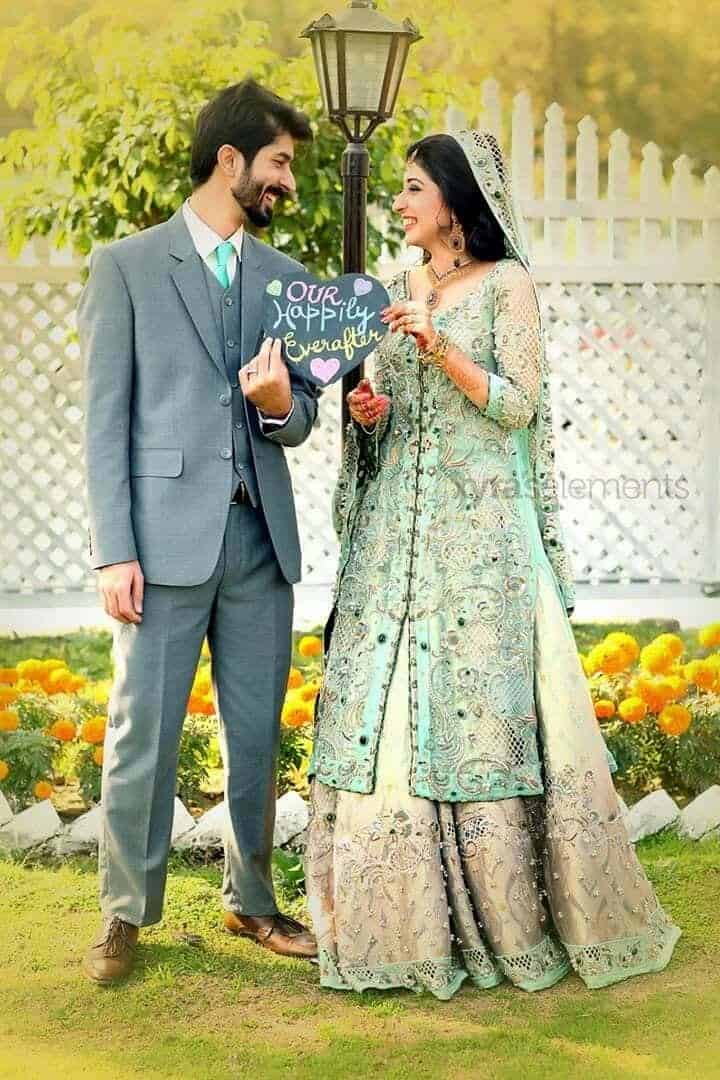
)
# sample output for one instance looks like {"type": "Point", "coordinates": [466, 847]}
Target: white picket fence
{"type": "Point", "coordinates": [630, 282]}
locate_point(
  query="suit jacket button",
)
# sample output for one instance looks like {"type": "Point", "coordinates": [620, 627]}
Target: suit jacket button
{"type": "Point", "coordinates": [226, 453]}
{"type": "Point", "coordinates": [224, 399]}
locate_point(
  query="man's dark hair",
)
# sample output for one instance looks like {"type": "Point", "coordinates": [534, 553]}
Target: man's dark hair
{"type": "Point", "coordinates": [248, 117]}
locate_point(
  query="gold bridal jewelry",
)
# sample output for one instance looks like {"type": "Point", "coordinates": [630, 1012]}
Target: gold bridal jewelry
{"type": "Point", "coordinates": [437, 353]}
{"type": "Point", "coordinates": [438, 280]}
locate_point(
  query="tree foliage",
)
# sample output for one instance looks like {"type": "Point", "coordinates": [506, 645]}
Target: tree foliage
{"type": "Point", "coordinates": [114, 106]}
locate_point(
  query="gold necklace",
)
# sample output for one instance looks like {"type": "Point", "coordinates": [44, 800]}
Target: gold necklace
{"type": "Point", "coordinates": [433, 297]}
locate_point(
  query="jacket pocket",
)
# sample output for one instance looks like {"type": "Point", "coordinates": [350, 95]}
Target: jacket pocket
{"type": "Point", "coordinates": [155, 461]}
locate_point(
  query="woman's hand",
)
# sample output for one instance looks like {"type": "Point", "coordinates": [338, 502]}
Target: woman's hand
{"type": "Point", "coordinates": [411, 317]}
{"type": "Point", "coordinates": [366, 407]}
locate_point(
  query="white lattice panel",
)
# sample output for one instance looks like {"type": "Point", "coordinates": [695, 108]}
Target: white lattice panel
{"type": "Point", "coordinates": [629, 385]}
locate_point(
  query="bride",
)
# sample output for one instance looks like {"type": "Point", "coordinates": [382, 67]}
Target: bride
{"type": "Point", "coordinates": [464, 820]}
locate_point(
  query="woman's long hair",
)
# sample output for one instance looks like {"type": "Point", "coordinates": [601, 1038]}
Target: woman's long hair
{"type": "Point", "coordinates": [443, 159]}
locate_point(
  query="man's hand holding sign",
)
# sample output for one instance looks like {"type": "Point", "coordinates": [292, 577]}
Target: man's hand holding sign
{"type": "Point", "coordinates": [265, 380]}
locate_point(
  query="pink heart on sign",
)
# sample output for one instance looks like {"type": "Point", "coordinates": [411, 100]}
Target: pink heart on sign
{"type": "Point", "coordinates": [324, 369]}
{"type": "Point", "coordinates": [363, 287]}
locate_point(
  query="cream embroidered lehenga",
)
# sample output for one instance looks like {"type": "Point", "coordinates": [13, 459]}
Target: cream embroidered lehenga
{"type": "Point", "coordinates": [464, 819]}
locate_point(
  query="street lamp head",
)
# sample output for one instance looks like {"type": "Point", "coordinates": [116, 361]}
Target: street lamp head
{"type": "Point", "coordinates": [360, 58]}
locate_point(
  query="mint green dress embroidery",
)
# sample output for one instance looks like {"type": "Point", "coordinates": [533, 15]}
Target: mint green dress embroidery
{"type": "Point", "coordinates": [464, 822]}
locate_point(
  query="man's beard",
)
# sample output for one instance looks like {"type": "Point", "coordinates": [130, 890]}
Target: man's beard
{"type": "Point", "coordinates": [249, 194]}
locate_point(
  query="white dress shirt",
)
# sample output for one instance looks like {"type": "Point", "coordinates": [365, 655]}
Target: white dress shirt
{"type": "Point", "coordinates": [206, 241]}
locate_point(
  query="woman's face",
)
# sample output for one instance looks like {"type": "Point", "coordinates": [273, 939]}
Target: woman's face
{"type": "Point", "coordinates": [421, 206]}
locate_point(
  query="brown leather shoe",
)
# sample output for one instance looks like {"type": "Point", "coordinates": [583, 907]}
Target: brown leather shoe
{"type": "Point", "coordinates": [111, 957]}
{"type": "Point", "coordinates": [279, 933]}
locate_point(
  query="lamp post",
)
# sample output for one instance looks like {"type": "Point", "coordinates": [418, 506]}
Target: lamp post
{"type": "Point", "coordinates": [360, 58]}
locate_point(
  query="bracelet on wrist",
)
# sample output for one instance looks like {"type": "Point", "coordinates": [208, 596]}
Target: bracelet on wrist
{"type": "Point", "coordinates": [436, 354]}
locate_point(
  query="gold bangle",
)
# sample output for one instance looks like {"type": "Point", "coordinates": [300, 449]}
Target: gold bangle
{"type": "Point", "coordinates": [437, 353]}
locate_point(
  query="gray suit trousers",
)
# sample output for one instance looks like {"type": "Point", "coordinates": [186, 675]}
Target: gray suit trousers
{"type": "Point", "coordinates": [245, 608]}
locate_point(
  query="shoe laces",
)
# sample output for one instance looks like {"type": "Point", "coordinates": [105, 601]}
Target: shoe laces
{"type": "Point", "coordinates": [117, 938]}
{"type": "Point", "coordinates": [289, 925]}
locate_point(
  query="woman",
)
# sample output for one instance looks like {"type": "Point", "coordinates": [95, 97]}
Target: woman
{"type": "Point", "coordinates": [464, 819]}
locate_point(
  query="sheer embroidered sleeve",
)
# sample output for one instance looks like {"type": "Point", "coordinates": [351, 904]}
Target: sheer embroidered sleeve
{"type": "Point", "coordinates": [513, 392]}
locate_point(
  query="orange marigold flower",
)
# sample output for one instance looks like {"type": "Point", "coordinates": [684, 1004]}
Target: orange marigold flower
{"type": "Point", "coordinates": [8, 694]}
{"type": "Point", "coordinates": [675, 644]}
{"type": "Point", "coordinates": [295, 678]}
{"type": "Point", "coordinates": [607, 658]}
{"type": "Point", "coordinates": [626, 643]}
{"type": "Point", "coordinates": [93, 730]}
{"type": "Point", "coordinates": [656, 658]}
{"type": "Point", "coordinates": [604, 709]}
{"type": "Point", "coordinates": [701, 673]}
{"type": "Point", "coordinates": [42, 790]}
{"type": "Point", "coordinates": [8, 675]}
{"type": "Point", "coordinates": [201, 704]}
{"type": "Point", "coordinates": [709, 636]}
{"type": "Point", "coordinates": [9, 720]}
{"type": "Point", "coordinates": [632, 710]}
{"type": "Point", "coordinates": [30, 669]}
{"type": "Point", "coordinates": [653, 692]}
{"type": "Point", "coordinates": [98, 754]}
{"type": "Point", "coordinates": [4, 771]}
{"type": "Point", "coordinates": [64, 730]}
{"type": "Point", "coordinates": [674, 720]}
{"type": "Point", "coordinates": [310, 646]}
{"type": "Point", "coordinates": [295, 714]}
{"type": "Point", "coordinates": [310, 691]}
{"type": "Point", "coordinates": [678, 685]}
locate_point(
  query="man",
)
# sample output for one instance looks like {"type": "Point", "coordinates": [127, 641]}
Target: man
{"type": "Point", "coordinates": [192, 521]}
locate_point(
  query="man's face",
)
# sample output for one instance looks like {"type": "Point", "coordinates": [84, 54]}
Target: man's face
{"type": "Point", "coordinates": [268, 179]}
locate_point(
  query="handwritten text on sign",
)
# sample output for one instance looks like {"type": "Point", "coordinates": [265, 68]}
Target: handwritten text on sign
{"type": "Point", "coordinates": [328, 328]}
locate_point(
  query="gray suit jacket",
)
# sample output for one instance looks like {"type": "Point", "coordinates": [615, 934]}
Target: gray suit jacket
{"type": "Point", "coordinates": [157, 424]}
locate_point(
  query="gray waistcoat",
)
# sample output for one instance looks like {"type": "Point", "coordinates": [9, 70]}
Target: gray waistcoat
{"type": "Point", "coordinates": [227, 305]}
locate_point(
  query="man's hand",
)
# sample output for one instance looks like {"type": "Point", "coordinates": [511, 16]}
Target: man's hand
{"type": "Point", "coordinates": [266, 382]}
{"type": "Point", "coordinates": [122, 586]}
{"type": "Point", "coordinates": [366, 407]}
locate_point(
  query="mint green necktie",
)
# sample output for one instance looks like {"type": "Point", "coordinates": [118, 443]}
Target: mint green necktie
{"type": "Point", "coordinates": [222, 255]}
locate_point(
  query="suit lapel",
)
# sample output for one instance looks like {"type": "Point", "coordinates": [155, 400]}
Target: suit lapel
{"type": "Point", "coordinates": [189, 276]}
{"type": "Point", "coordinates": [254, 280]}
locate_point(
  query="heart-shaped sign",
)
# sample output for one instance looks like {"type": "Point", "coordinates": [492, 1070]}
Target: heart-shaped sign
{"type": "Point", "coordinates": [327, 327]}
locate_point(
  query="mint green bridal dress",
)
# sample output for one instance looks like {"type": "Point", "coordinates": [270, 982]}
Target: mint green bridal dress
{"type": "Point", "coordinates": [464, 822]}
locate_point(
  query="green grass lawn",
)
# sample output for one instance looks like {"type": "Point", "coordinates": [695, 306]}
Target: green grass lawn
{"type": "Point", "coordinates": [225, 1009]}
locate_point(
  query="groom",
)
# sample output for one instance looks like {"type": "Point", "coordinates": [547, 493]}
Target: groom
{"type": "Point", "coordinates": [192, 522]}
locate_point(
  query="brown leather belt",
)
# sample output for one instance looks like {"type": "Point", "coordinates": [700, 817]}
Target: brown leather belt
{"type": "Point", "coordinates": [241, 494]}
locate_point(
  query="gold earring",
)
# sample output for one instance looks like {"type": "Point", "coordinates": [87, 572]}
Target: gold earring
{"type": "Point", "coordinates": [457, 239]}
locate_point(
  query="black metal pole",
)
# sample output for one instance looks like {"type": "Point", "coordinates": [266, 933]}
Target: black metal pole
{"type": "Point", "coordinates": [355, 173]}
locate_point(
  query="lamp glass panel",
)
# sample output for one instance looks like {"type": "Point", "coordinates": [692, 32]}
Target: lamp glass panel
{"type": "Point", "coordinates": [331, 93]}
{"type": "Point", "coordinates": [366, 57]}
{"type": "Point", "coordinates": [396, 76]}
{"type": "Point", "coordinates": [317, 47]}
